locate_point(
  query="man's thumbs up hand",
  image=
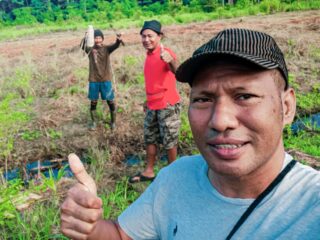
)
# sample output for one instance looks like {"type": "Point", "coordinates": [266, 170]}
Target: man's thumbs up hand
{"type": "Point", "coordinates": [82, 209]}
{"type": "Point", "coordinates": [81, 174]}
{"type": "Point", "coordinates": [165, 55]}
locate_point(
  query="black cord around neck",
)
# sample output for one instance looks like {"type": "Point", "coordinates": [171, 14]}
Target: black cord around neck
{"type": "Point", "coordinates": [256, 202]}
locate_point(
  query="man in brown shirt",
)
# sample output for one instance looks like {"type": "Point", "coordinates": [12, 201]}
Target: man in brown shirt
{"type": "Point", "coordinates": [100, 76]}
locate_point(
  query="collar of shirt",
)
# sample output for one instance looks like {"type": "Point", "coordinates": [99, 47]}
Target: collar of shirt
{"type": "Point", "coordinates": [155, 51]}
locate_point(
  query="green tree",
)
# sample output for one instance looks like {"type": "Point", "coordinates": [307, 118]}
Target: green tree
{"type": "Point", "coordinates": [209, 5]}
{"type": "Point", "coordinates": [23, 16]}
{"type": "Point", "coordinates": [72, 12]}
{"type": "Point", "coordinates": [86, 7]}
{"type": "Point", "coordinates": [104, 10]}
{"type": "Point", "coordinates": [156, 8]}
{"type": "Point", "coordinates": [244, 3]}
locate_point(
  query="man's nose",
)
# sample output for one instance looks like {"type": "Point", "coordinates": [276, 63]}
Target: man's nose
{"type": "Point", "coordinates": [223, 116]}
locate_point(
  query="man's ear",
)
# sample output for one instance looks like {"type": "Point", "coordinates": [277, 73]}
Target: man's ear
{"type": "Point", "coordinates": [288, 106]}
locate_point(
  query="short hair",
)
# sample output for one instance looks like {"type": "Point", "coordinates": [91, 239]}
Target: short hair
{"type": "Point", "coordinates": [279, 80]}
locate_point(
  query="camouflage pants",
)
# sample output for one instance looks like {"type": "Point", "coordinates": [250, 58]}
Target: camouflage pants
{"type": "Point", "coordinates": [162, 126]}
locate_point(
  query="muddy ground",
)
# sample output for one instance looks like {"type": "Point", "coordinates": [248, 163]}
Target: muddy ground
{"type": "Point", "coordinates": [57, 55]}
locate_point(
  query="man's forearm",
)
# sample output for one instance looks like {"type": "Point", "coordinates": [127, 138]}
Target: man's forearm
{"type": "Point", "coordinates": [173, 65]}
{"type": "Point", "coordinates": [114, 46]}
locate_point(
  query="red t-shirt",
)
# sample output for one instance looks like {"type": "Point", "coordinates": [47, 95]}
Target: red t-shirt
{"type": "Point", "coordinates": [160, 82]}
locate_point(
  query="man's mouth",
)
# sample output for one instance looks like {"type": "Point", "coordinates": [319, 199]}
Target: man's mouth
{"type": "Point", "coordinates": [227, 146]}
{"type": "Point", "coordinates": [228, 149]}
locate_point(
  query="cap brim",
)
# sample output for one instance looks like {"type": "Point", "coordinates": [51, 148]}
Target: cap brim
{"type": "Point", "coordinates": [187, 70]}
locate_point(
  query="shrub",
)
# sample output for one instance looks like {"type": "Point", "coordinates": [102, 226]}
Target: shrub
{"type": "Point", "coordinates": [270, 6]}
{"type": "Point", "coordinates": [23, 16]}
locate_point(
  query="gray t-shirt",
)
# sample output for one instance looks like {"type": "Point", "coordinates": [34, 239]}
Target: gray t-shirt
{"type": "Point", "coordinates": [182, 204]}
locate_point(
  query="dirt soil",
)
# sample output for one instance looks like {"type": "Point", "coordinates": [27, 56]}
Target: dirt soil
{"type": "Point", "coordinates": [301, 28]}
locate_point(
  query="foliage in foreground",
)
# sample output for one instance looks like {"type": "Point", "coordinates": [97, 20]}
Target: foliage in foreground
{"type": "Point", "coordinates": [41, 220]}
{"type": "Point", "coordinates": [29, 211]}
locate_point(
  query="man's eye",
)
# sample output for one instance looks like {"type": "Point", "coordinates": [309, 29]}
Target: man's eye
{"type": "Point", "coordinates": [245, 96]}
{"type": "Point", "coordinates": [200, 100]}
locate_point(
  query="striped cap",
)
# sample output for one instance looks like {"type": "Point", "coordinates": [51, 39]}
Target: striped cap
{"type": "Point", "coordinates": [256, 47]}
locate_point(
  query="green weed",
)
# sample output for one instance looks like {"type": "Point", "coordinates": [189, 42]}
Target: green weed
{"type": "Point", "coordinates": [185, 135]}
{"type": "Point", "coordinates": [309, 102]}
{"type": "Point", "coordinates": [42, 216]}
{"type": "Point", "coordinates": [307, 142]}
{"type": "Point", "coordinates": [314, 52]}
{"type": "Point", "coordinates": [291, 48]}
{"type": "Point", "coordinates": [54, 134]}
{"type": "Point", "coordinates": [306, 102]}
{"type": "Point", "coordinates": [12, 118]}
{"type": "Point", "coordinates": [81, 73]}
{"type": "Point", "coordinates": [292, 82]}
{"type": "Point", "coordinates": [30, 135]}
{"type": "Point", "coordinates": [120, 198]}
{"type": "Point", "coordinates": [140, 79]}
{"type": "Point", "coordinates": [8, 192]}
{"type": "Point", "coordinates": [97, 159]}
{"type": "Point", "coordinates": [130, 61]}
{"type": "Point", "coordinates": [73, 90]}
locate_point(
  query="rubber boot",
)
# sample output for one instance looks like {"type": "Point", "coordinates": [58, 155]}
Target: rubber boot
{"type": "Point", "coordinates": [113, 120]}
{"type": "Point", "coordinates": [92, 124]}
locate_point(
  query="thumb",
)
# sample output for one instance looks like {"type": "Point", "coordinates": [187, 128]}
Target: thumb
{"type": "Point", "coordinates": [81, 174]}
{"type": "Point", "coordinates": [161, 48]}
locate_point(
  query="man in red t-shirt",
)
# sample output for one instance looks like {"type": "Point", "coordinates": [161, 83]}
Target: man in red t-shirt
{"type": "Point", "coordinates": [162, 121]}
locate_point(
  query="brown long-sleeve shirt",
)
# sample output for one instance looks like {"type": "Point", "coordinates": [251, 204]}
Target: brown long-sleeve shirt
{"type": "Point", "coordinates": [99, 62]}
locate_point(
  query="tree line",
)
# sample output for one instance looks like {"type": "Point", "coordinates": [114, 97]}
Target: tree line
{"type": "Point", "coordinates": [25, 12]}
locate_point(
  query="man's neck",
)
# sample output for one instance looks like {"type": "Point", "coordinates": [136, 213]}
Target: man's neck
{"type": "Point", "coordinates": [248, 186]}
{"type": "Point", "coordinates": [152, 50]}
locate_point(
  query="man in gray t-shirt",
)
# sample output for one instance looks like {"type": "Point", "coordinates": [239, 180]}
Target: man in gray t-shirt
{"type": "Point", "coordinates": [191, 208]}
{"type": "Point", "coordinates": [243, 185]}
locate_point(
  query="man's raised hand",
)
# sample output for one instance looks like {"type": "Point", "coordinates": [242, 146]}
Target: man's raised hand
{"type": "Point", "coordinates": [165, 55]}
{"type": "Point", "coordinates": [119, 38]}
{"type": "Point", "coordinates": [81, 174]}
{"type": "Point", "coordinates": [82, 209]}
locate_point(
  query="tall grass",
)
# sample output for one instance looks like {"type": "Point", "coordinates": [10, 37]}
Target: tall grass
{"type": "Point", "coordinates": [41, 219]}
{"type": "Point", "coordinates": [16, 97]}
{"type": "Point", "coordinates": [36, 221]}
